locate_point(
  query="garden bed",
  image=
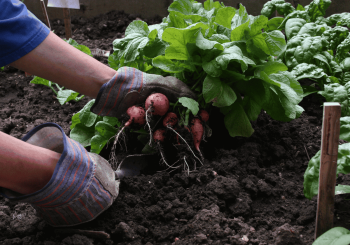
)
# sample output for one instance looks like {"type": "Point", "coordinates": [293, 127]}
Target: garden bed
{"type": "Point", "coordinates": [249, 190]}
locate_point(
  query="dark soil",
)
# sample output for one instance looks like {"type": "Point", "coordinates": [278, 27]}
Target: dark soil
{"type": "Point", "coordinates": [249, 190]}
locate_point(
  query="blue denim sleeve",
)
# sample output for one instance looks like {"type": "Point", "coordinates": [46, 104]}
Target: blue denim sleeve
{"type": "Point", "coordinates": [20, 31]}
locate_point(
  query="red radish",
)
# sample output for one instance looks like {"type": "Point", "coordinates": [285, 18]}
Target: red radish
{"type": "Point", "coordinates": [204, 115]}
{"type": "Point", "coordinates": [170, 120]}
{"type": "Point", "coordinates": [197, 132]}
{"type": "Point", "coordinates": [158, 103]}
{"type": "Point", "coordinates": [159, 135]}
{"type": "Point", "coordinates": [137, 116]}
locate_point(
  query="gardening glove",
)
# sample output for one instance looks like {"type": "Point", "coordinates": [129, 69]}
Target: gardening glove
{"type": "Point", "coordinates": [82, 186]}
{"type": "Point", "coordinates": [130, 86]}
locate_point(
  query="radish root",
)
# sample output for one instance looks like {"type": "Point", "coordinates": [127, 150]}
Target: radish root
{"type": "Point", "coordinates": [149, 126]}
{"type": "Point", "coordinates": [113, 157]}
{"type": "Point", "coordinates": [187, 145]}
{"type": "Point", "coordinates": [162, 155]}
{"type": "Point", "coordinates": [188, 167]}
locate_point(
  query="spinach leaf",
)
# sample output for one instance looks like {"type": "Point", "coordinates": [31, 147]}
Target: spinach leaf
{"type": "Point", "coordinates": [334, 236]}
{"type": "Point", "coordinates": [311, 175]}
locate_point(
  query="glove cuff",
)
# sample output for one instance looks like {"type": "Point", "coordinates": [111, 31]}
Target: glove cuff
{"type": "Point", "coordinates": [81, 187]}
{"type": "Point", "coordinates": [112, 93]}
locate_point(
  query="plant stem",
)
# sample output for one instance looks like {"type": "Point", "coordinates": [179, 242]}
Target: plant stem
{"type": "Point", "coordinates": [195, 85]}
{"type": "Point", "coordinates": [187, 116]}
{"type": "Point", "coordinates": [79, 98]}
{"type": "Point", "coordinates": [185, 143]}
{"type": "Point", "coordinates": [53, 90]}
{"type": "Point", "coordinates": [58, 87]}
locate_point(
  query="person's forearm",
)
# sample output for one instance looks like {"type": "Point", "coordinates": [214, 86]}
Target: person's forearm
{"type": "Point", "coordinates": [25, 168]}
{"type": "Point", "coordinates": [61, 63]}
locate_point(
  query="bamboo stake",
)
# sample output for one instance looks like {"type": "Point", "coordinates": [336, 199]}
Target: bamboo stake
{"type": "Point", "coordinates": [328, 167]}
{"type": "Point", "coordinates": [67, 23]}
{"type": "Point", "coordinates": [45, 13]}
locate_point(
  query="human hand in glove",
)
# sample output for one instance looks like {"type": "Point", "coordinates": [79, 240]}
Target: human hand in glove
{"type": "Point", "coordinates": [130, 86]}
{"type": "Point", "coordinates": [82, 185]}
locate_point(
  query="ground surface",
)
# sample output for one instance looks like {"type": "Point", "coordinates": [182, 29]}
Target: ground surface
{"type": "Point", "coordinates": [255, 198]}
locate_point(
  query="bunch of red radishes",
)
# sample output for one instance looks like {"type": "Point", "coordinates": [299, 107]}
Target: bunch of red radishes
{"type": "Point", "coordinates": [157, 104]}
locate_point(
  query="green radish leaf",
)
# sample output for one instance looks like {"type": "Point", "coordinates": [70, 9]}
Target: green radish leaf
{"type": "Point", "coordinates": [237, 122]}
{"type": "Point", "coordinates": [75, 120]}
{"type": "Point", "coordinates": [218, 92]}
{"type": "Point", "coordinates": [219, 38]}
{"type": "Point", "coordinates": [206, 44]}
{"type": "Point", "coordinates": [86, 116]}
{"type": "Point", "coordinates": [309, 90]}
{"type": "Point", "coordinates": [66, 95]}
{"type": "Point", "coordinates": [179, 38]}
{"type": "Point", "coordinates": [275, 42]}
{"type": "Point", "coordinates": [282, 102]}
{"type": "Point", "coordinates": [106, 130]}
{"type": "Point", "coordinates": [112, 121]}
{"type": "Point", "coordinates": [153, 34]}
{"type": "Point", "coordinates": [167, 65]}
{"type": "Point", "coordinates": [42, 81]}
{"type": "Point", "coordinates": [82, 134]}
{"type": "Point", "coordinates": [300, 7]}
{"type": "Point", "coordinates": [224, 16]}
{"type": "Point", "coordinates": [97, 143]}
{"type": "Point", "coordinates": [274, 23]}
{"type": "Point", "coordinates": [240, 17]}
{"type": "Point", "coordinates": [209, 4]}
{"type": "Point", "coordinates": [190, 104]}
{"type": "Point", "coordinates": [182, 6]}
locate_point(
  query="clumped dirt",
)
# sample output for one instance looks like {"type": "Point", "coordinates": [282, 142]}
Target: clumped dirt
{"type": "Point", "coordinates": [249, 190]}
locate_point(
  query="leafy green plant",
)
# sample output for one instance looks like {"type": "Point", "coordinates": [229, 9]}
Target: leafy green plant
{"type": "Point", "coordinates": [2, 68]}
{"type": "Point", "coordinates": [314, 49]}
{"type": "Point", "coordinates": [92, 130]}
{"type": "Point", "coordinates": [63, 95]}
{"type": "Point", "coordinates": [222, 54]}
{"type": "Point", "coordinates": [311, 175]}
{"type": "Point", "coordinates": [319, 52]}
{"type": "Point", "coordinates": [334, 236]}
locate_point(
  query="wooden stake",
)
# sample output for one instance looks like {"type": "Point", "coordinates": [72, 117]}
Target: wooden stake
{"type": "Point", "coordinates": [67, 24]}
{"type": "Point", "coordinates": [45, 13]}
{"type": "Point", "coordinates": [328, 167]}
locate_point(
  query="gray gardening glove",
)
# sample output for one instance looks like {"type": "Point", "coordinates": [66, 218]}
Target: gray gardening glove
{"type": "Point", "coordinates": [131, 87]}
{"type": "Point", "coordinates": [82, 186]}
